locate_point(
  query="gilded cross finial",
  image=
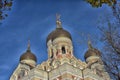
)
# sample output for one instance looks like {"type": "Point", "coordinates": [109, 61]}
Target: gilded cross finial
{"type": "Point", "coordinates": [89, 42]}
{"type": "Point", "coordinates": [28, 44]}
{"type": "Point", "coordinates": [58, 17]}
{"type": "Point", "coordinates": [58, 22]}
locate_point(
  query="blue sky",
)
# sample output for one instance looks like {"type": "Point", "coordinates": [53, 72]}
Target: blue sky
{"type": "Point", "coordinates": [35, 19]}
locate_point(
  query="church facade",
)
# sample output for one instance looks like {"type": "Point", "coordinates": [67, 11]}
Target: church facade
{"type": "Point", "coordinates": [61, 63]}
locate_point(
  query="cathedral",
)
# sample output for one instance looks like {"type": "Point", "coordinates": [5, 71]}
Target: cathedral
{"type": "Point", "coordinates": [61, 63]}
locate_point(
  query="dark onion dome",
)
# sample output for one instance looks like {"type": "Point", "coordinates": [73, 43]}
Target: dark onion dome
{"type": "Point", "coordinates": [28, 55]}
{"type": "Point", "coordinates": [91, 51]}
{"type": "Point", "coordinates": [59, 32]}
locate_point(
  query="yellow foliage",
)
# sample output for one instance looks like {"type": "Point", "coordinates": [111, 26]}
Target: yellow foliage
{"type": "Point", "coordinates": [98, 3]}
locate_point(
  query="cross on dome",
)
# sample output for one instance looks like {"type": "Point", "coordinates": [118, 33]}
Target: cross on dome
{"type": "Point", "coordinates": [58, 22]}
{"type": "Point", "coordinates": [28, 45]}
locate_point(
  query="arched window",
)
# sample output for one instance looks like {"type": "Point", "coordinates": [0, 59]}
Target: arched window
{"type": "Point", "coordinates": [51, 53]}
{"type": "Point", "coordinates": [45, 68]}
{"type": "Point", "coordinates": [56, 53]}
{"type": "Point", "coordinates": [21, 74]}
{"type": "Point", "coordinates": [63, 50]}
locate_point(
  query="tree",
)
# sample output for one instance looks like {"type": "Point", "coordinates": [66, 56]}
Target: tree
{"type": "Point", "coordinates": [99, 3]}
{"type": "Point", "coordinates": [5, 5]}
{"type": "Point", "coordinates": [111, 39]}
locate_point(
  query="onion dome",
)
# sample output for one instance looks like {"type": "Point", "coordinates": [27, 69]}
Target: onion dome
{"type": "Point", "coordinates": [91, 51]}
{"type": "Point", "coordinates": [28, 55]}
{"type": "Point", "coordinates": [58, 32]}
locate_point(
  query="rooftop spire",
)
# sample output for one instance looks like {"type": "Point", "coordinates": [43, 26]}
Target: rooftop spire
{"type": "Point", "coordinates": [28, 49]}
{"type": "Point", "coordinates": [58, 22]}
{"type": "Point", "coordinates": [89, 43]}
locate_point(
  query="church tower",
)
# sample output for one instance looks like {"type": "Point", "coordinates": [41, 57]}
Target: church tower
{"type": "Point", "coordinates": [61, 63]}
{"type": "Point", "coordinates": [59, 43]}
{"type": "Point", "coordinates": [94, 61]}
{"type": "Point", "coordinates": [27, 62]}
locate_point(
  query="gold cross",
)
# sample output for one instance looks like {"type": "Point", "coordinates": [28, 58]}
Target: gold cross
{"type": "Point", "coordinates": [58, 17]}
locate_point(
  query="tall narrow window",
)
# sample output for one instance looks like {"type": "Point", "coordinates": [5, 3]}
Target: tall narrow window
{"type": "Point", "coordinates": [63, 50]}
{"type": "Point", "coordinates": [51, 53]}
{"type": "Point", "coordinates": [51, 56]}
{"type": "Point", "coordinates": [21, 74]}
{"type": "Point", "coordinates": [56, 53]}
